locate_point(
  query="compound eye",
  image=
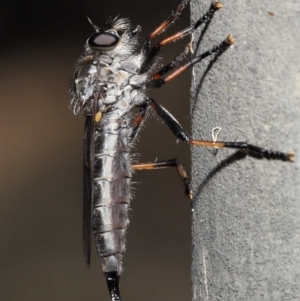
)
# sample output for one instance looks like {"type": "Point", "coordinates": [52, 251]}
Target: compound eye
{"type": "Point", "coordinates": [103, 41]}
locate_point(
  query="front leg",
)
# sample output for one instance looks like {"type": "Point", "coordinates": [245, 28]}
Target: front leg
{"type": "Point", "coordinates": [151, 54]}
{"type": "Point", "coordinates": [157, 82]}
{"type": "Point", "coordinates": [178, 131]}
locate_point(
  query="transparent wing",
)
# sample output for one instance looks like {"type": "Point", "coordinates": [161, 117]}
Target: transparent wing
{"type": "Point", "coordinates": [88, 181]}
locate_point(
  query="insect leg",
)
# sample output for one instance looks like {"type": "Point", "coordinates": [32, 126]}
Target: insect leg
{"type": "Point", "coordinates": [138, 121]}
{"type": "Point", "coordinates": [178, 131]}
{"type": "Point", "coordinates": [150, 55]}
{"type": "Point", "coordinates": [165, 164]}
{"type": "Point", "coordinates": [247, 148]}
{"type": "Point", "coordinates": [158, 82]}
{"type": "Point", "coordinates": [177, 60]}
{"type": "Point", "coordinates": [164, 25]}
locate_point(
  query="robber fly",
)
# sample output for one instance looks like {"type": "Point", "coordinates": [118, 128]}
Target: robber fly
{"type": "Point", "coordinates": [109, 88]}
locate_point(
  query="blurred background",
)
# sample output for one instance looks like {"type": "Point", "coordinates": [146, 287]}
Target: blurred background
{"type": "Point", "coordinates": [41, 162]}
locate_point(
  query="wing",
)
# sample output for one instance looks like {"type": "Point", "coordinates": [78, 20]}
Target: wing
{"type": "Point", "coordinates": [88, 182]}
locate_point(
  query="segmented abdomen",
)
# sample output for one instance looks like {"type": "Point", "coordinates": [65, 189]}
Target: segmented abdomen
{"type": "Point", "coordinates": [112, 177]}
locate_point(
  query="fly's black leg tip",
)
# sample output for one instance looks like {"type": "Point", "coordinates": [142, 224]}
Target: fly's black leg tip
{"type": "Point", "coordinates": [291, 156]}
{"type": "Point", "coordinates": [188, 191]}
{"type": "Point", "coordinates": [112, 280]}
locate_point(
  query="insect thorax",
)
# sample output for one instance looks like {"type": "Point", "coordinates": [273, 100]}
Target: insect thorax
{"type": "Point", "coordinates": [110, 81]}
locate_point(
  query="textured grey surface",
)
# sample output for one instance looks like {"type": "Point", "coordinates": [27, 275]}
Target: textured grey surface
{"type": "Point", "coordinates": [246, 223]}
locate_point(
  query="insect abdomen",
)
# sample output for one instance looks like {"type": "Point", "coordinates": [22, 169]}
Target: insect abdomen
{"type": "Point", "coordinates": [112, 176]}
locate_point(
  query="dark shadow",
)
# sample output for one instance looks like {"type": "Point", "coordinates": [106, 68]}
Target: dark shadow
{"type": "Point", "coordinates": [239, 155]}
{"type": "Point", "coordinates": [199, 86]}
{"type": "Point", "coordinates": [229, 160]}
{"type": "Point", "coordinates": [203, 31]}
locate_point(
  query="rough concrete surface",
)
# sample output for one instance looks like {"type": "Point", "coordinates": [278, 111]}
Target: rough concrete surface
{"type": "Point", "coordinates": [246, 221]}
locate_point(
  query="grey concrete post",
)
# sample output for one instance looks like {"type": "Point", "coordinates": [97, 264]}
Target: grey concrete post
{"type": "Point", "coordinates": [246, 220]}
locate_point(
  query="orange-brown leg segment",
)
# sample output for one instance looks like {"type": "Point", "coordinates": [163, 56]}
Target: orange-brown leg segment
{"type": "Point", "coordinates": [164, 25]}
{"type": "Point", "coordinates": [138, 122]}
{"type": "Point", "coordinates": [178, 131]}
{"type": "Point", "coordinates": [151, 54]}
{"type": "Point", "coordinates": [189, 30]}
{"type": "Point", "coordinates": [158, 82]}
{"type": "Point", "coordinates": [247, 148]}
{"type": "Point", "coordinates": [177, 60]}
{"type": "Point", "coordinates": [166, 164]}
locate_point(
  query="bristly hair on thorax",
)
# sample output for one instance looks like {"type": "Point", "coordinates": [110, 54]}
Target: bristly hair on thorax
{"type": "Point", "coordinates": [118, 24]}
